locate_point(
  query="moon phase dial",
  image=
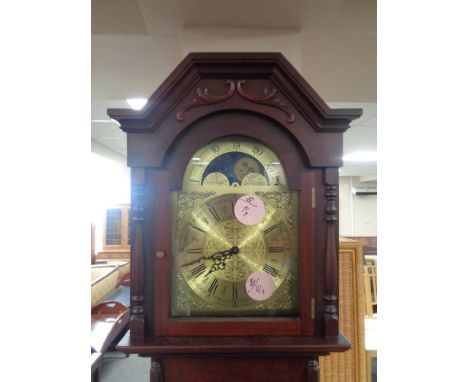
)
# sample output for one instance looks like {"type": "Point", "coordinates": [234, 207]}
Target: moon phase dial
{"type": "Point", "coordinates": [234, 162]}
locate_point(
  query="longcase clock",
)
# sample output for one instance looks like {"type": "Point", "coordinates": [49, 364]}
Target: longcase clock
{"type": "Point", "coordinates": [234, 164]}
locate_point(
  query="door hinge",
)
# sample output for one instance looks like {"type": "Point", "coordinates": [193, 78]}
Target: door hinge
{"type": "Point", "coordinates": [313, 197]}
{"type": "Point", "coordinates": [312, 308]}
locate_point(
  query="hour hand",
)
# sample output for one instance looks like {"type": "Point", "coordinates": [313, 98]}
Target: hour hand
{"type": "Point", "coordinates": [219, 259]}
{"type": "Point", "coordinates": [215, 256]}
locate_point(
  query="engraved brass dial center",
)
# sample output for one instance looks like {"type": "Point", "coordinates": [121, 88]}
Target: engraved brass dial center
{"type": "Point", "coordinates": [246, 242]}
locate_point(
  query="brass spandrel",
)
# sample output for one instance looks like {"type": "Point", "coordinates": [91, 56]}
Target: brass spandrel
{"type": "Point", "coordinates": [282, 200]}
{"type": "Point", "coordinates": [186, 201]}
{"type": "Point", "coordinates": [185, 301]}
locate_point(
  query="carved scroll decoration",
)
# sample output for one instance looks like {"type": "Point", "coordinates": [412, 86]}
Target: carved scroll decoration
{"type": "Point", "coordinates": [205, 98]}
{"type": "Point", "coordinates": [266, 99]}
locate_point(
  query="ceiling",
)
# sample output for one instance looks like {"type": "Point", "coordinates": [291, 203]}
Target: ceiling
{"type": "Point", "coordinates": [332, 43]}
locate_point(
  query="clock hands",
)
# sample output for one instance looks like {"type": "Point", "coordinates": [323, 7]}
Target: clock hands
{"type": "Point", "coordinates": [219, 259]}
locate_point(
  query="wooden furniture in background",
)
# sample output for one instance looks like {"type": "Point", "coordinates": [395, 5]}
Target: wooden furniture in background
{"type": "Point", "coordinates": [113, 255]}
{"type": "Point", "coordinates": [369, 262]}
{"type": "Point", "coordinates": [108, 319]}
{"type": "Point", "coordinates": [369, 244]}
{"type": "Point", "coordinates": [116, 233]}
{"type": "Point", "coordinates": [104, 279]}
{"type": "Point", "coordinates": [349, 366]}
{"type": "Point", "coordinates": [370, 289]}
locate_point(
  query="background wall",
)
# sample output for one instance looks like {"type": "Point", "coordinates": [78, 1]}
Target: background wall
{"type": "Point", "coordinates": [358, 213]}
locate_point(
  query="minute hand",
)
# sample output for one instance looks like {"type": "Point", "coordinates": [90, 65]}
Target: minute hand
{"type": "Point", "coordinates": [219, 259]}
{"type": "Point", "coordinates": [216, 255]}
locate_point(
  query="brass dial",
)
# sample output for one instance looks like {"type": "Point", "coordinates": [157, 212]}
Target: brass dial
{"type": "Point", "coordinates": [217, 253]}
{"type": "Point", "coordinates": [212, 253]}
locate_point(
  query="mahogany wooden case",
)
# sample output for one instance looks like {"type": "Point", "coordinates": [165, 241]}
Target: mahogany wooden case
{"type": "Point", "coordinates": [254, 95]}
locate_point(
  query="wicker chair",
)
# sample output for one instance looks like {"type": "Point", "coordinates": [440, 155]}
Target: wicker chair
{"type": "Point", "coordinates": [349, 366]}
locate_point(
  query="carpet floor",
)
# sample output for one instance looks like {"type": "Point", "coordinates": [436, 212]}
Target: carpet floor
{"type": "Point", "coordinates": [118, 368]}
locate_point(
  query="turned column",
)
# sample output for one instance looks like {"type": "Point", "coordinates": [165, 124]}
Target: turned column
{"type": "Point", "coordinates": [137, 319]}
{"type": "Point", "coordinates": [331, 258]}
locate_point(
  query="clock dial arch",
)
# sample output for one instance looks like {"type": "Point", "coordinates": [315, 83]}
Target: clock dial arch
{"type": "Point", "coordinates": [248, 126]}
{"type": "Point", "coordinates": [235, 161]}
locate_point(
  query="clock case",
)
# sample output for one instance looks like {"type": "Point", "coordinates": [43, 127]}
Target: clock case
{"type": "Point", "coordinates": [260, 96]}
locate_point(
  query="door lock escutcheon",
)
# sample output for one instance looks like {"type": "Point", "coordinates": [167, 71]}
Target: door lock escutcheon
{"type": "Point", "coordinates": [159, 254]}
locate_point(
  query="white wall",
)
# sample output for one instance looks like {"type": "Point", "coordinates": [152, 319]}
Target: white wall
{"type": "Point", "coordinates": [358, 214]}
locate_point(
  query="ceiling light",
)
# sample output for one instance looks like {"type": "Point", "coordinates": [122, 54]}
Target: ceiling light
{"type": "Point", "coordinates": [104, 120]}
{"type": "Point", "coordinates": [117, 122]}
{"type": "Point", "coordinates": [137, 103]}
{"type": "Point", "coordinates": [361, 156]}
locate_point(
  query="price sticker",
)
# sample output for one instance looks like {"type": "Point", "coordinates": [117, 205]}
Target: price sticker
{"type": "Point", "coordinates": [260, 286]}
{"type": "Point", "coordinates": [249, 210]}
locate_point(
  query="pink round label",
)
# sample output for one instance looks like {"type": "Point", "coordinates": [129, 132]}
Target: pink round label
{"type": "Point", "coordinates": [260, 286]}
{"type": "Point", "coordinates": [249, 210]}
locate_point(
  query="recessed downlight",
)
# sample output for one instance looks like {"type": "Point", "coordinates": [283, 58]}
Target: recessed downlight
{"type": "Point", "coordinates": [137, 103]}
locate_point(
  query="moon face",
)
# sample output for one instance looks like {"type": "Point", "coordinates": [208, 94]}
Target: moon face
{"type": "Point", "coordinates": [245, 166]}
